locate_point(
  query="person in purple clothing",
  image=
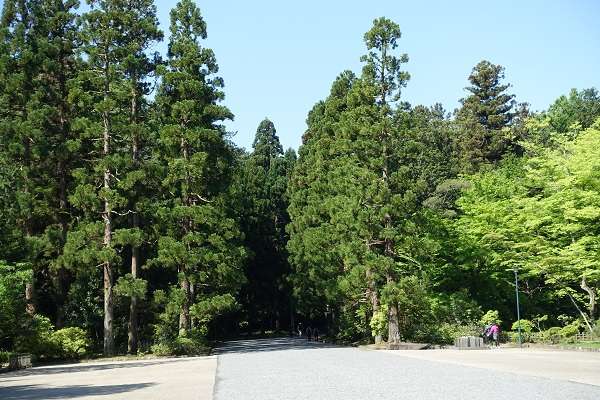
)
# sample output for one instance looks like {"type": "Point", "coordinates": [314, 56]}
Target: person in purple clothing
{"type": "Point", "coordinates": [494, 333]}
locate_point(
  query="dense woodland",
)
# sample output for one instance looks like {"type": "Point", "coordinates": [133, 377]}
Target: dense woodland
{"type": "Point", "coordinates": [131, 222]}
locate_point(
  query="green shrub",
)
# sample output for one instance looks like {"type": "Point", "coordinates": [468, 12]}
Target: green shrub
{"type": "Point", "coordinates": [71, 342]}
{"type": "Point", "coordinates": [596, 330]}
{"type": "Point", "coordinates": [447, 332]}
{"type": "Point", "coordinates": [570, 330]}
{"type": "Point", "coordinates": [37, 338]}
{"type": "Point", "coordinates": [455, 308]}
{"type": "Point", "coordinates": [162, 349]}
{"type": "Point", "coordinates": [4, 356]}
{"type": "Point", "coordinates": [379, 322]}
{"type": "Point", "coordinates": [490, 317]}
{"type": "Point", "coordinates": [551, 335]}
{"type": "Point", "coordinates": [193, 343]}
{"type": "Point", "coordinates": [525, 324]}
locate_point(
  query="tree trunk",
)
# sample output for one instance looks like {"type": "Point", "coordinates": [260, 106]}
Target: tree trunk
{"type": "Point", "coordinates": [184, 316]}
{"type": "Point", "coordinates": [109, 345]}
{"type": "Point", "coordinates": [585, 318]}
{"type": "Point", "coordinates": [62, 275]}
{"type": "Point", "coordinates": [29, 286]}
{"type": "Point", "coordinates": [62, 282]}
{"type": "Point", "coordinates": [393, 323]}
{"type": "Point", "coordinates": [374, 300]}
{"type": "Point", "coordinates": [292, 319]}
{"type": "Point", "coordinates": [29, 302]}
{"type": "Point", "coordinates": [132, 334]}
{"type": "Point", "coordinates": [592, 297]}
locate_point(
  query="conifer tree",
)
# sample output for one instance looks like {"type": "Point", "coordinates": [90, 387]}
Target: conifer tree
{"type": "Point", "coordinates": [316, 245]}
{"type": "Point", "coordinates": [20, 144]}
{"type": "Point", "coordinates": [139, 65]}
{"type": "Point", "coordinates": [102, 92]}
{"type": "Point", "coordinates": [260, 190]}
{"type": "Point", "coordinates": [483, 115]}
{"type": "Point", "coordinates": [383, 71]}
{"type": "Point", "coordinates": [57, 45]}
{"type": "Point", "coordinates": [200, 240]}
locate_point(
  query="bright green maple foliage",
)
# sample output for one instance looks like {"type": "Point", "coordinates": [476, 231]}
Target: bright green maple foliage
{"type": "Point", "coordinates": [539, 216]}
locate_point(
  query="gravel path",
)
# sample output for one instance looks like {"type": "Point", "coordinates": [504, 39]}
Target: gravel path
{"type": "Point", "coordinates": [294, 369]}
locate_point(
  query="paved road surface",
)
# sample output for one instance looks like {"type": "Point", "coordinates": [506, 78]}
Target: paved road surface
{"type": "Point", "coordinates": [574, 366]}
{"type": "Point", "coordinates": [292, 369]}
{"type": "Point", "coordinates": [281, 369]}
{"type": "Point", "coordinates": [158, 379]}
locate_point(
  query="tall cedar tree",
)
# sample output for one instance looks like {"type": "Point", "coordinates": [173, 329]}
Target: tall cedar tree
{"type": "Point", "coordinates": [483, 115]}
{"type": "Point", "coordinates": [101, 89]}
{"type": "Point", "coordinates": [261, 192]}
{"type": "Point", "coordinates": [316, 243]}
{"type": "Point", "coordinates": [39, 58]}
{"type": "Point", "coordinates": [142, 33]}
{"type": "Point", "coordinates": [383, 75]}
{"type": "Point", "coordinates": [57, 42]}
{"type": "Point", "coordinates": [199, 239]}
{"type": "Point", "coordinates": [21, 144]}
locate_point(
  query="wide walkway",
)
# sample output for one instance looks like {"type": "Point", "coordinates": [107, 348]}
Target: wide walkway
{"type": "Point", "coordinates": [158, 379]}
{"type": "Point", "coordinates": [574, 366]}
{"type": "Point", "coordinates": [293, 369]}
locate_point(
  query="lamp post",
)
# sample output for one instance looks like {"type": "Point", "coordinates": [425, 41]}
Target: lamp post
{"type": "Point", "coordinates": [518, 308]}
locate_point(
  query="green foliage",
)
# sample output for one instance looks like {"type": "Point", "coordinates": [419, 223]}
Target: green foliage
{"type": "Point", "coordinates": [207, 309]}
{"type": "Point", "coordinates": [445, 333]}
{"type": "Point", "coordinates": [12, 301]}
{"type": "Point", "coordinates": [552, 335]}
{"type": "Point", "coordinates": [484, 117]}
{"type": "Point", "coordinates": [490, 317]}
{"type": "Point", "coordinates": [577, 111]}
{"type": "Point", "coordinates": [571, 329]}
{"type": "Point", "coordinates": [597, 329]}
{"type": "Point", "coordinates": [526, 330]}
{"type": "Point", "coordinates": [525, 325]}
{"type": "Point", "coordinates": [199, 238]}
{"type": "Point", "coordinates": [192, 343]}
{"type": "Point", "coordinates": [258, 192]}
{"type": "Point", "coordinates": [394, 221]}
{"type": "Point", "coordinates": [71, 343]}
{"type": "Point", "coordinates": [4, 356]}
{"type": "Point", "coordinates": [128, 286]}
{"type": "Point", "coordinates": [536, 216]}
{"type": "Point", "coordinates": [36, 338]}
{"type": "Point", "coordinates": [456, 309]}
{"type": "Point", "coordinates": [379, 322]}
{"type": "Point", "coordinates": [488, 103]}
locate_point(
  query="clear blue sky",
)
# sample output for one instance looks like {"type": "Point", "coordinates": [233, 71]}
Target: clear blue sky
{"type": "Point", "coordinates": [279, 57]}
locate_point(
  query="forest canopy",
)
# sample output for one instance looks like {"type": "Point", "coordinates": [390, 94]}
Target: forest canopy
{"type": "Point", "coordinates": [132, 223]}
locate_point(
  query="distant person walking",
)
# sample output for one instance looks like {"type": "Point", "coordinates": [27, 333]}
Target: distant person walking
{"type": "Point", "coordinates": [494, 333]}
{"type": "Point", "coordinates": [316, 334]}
{"type": "Point", "coordinates": [486, 333]}
{"type": "Point", "coordinates": [309, 334]}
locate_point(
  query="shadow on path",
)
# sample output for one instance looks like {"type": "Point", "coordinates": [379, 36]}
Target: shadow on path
{"type": "Point", "coordinates": [85, 367]}
{"type": "Point", "coordinates": [66, 392]}
{"type": "Point", "coordinates": [276, 344]}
